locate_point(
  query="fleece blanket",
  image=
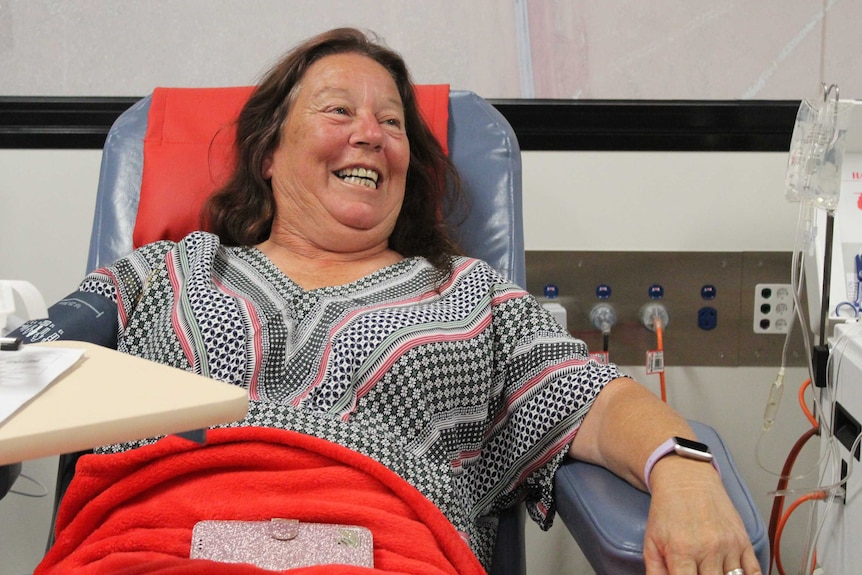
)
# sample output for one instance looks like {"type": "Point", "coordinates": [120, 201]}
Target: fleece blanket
{"type": "Point", "coordinates": [133, 512]}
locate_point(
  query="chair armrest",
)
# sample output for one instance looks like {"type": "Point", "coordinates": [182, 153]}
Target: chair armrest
{"type": "Point", "coordinates": [607, 516]}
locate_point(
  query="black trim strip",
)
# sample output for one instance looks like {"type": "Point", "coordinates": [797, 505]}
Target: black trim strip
{"type": "Point", "coordinates": [565, 125]}
{"type": "Point", "coordinates": [58, 122]}
{"type": "Point", "coordinates": [607, 125]}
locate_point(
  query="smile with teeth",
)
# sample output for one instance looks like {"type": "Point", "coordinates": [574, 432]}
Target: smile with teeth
{"type": "Point", "coordinates": [360, 176]}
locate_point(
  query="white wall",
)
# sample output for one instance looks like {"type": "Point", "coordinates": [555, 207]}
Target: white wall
{"type": "Point", "coordinates": [47, 200]}
{"type": "Point", "coordinates": [698, 201]}
{"type": "Point", "coordinates": [650, 201]}
{"type": "Point", "coordinates": [614, 49]}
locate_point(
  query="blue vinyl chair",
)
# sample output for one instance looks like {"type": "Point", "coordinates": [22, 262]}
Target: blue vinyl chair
{"type": "Point", "coordinates": [605, 515]}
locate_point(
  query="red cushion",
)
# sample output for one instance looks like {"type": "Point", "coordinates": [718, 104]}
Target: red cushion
{"type": "Point", "coordinates": [188, 152]}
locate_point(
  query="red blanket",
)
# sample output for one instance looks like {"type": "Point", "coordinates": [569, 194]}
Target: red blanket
{"type": "Point", "coordinates": [134, 512]}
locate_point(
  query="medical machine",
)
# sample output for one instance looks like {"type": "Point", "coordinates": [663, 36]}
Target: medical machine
{"type": "Point", "coordinates": [825, 176]}
{"type": "Point", "coordinates": [840, 512]}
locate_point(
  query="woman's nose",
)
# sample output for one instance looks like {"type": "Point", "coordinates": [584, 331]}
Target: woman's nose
{"type": "Point", "coordinates": [367, 132]}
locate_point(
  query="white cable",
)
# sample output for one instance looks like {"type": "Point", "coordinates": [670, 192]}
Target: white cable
{"type": "Point", "coordinates": [834, 490]}
{"type": "Point", "coordinates": [806, 233]}
{"type": "Point", "coordinates": [808, 557]}
{"type": "Point", "coordinates": [838, 484]}
{"type": "Point", "coordinates": [830, 455]}
{"type": "Point", "coordinates": [777, 389]}
{"type": "Point", "coordinates": [803, 240]}
{"type": "Point", "coordinates": [43, 491]}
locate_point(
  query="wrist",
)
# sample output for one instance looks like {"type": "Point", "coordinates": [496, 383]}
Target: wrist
{"type": "Point", "coordinates": [682, 448]}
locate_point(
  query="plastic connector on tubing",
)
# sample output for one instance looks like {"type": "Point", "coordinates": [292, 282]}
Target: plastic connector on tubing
{"type": "Point", "coordinates": [652, 312]}
{"type": "Point", "coordinates": [773, 401]}
{"type": "Point", "coordinates": [654, 317]}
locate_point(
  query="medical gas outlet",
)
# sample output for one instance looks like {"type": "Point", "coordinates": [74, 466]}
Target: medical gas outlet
{"type": "Point", "coordinates": [603, 317]}
{"type": "Point", "coordinates": [652, 312]}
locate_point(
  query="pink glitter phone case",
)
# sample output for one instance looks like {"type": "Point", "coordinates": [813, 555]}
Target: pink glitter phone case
{"type": "Point", "coordinates": [281, 544]}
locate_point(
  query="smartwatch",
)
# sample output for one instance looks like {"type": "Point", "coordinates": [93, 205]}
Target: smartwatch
{"type": "Point", "coordinates": [683, 447]}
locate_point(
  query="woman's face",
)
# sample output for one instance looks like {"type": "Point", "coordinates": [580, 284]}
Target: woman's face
{"type": "Point", "coordinates": [339, 172]}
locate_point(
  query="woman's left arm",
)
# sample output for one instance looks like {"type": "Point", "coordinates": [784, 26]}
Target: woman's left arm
{"type": "Point", "coordinates": [693, 527]}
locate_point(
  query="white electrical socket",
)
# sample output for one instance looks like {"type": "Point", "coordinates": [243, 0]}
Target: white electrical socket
{"type": "Point", "coordinates": [773, 308]}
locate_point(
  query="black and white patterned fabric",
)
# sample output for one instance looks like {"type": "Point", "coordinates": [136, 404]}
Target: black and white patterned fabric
{"type": "Point", "coordinates": [464, 386]}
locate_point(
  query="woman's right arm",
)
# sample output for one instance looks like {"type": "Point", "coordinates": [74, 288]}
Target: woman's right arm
{"type": "Point", "coordinates": [80, 316]}
{"type": "Point", "coordinates": [97, 311]}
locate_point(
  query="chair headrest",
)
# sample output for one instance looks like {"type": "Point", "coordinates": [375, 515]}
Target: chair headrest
{"type": "Point", "coordinates": [188, 152]}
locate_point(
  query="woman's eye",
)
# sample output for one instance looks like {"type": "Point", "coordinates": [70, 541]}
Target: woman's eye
{"type": "Point", "coordinates": [340, 110]}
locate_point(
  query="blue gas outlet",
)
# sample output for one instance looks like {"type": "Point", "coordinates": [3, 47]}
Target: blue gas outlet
{"type": "Point", "coordinates": [707, 318]}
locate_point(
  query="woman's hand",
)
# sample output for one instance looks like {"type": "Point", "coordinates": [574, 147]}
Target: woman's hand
{"type": "Point", "coordinates": [693, 527]}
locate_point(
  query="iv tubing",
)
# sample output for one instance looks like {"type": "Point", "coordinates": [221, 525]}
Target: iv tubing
{"type": "Point", "coordinates": [808, 415]}
{"type": "Point", "coordinates": [804, 229]}
{"type": "Point", "coordinates": [817, 495]}
{"type": "Point", "coordinates": [659, 337]}
{"type": "Point", "coordinates": [778, 502]}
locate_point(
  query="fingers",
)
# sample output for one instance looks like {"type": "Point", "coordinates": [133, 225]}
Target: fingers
{"type": "Point", "coordinates": [653, 559]}
{"type": "Point", "coordinates": [714, 555]}
{"type": "Point", "coordinates": [693, 529]}
{"type": "Point", "coordinates": [744, 564]}
{"type": "Point", "coordinates": [685, 565]}
{"type": "Point", "coordinates": [750, 564]}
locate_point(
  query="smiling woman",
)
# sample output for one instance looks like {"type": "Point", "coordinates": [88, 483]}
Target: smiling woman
{"type": "Point", "coordinates": [339, 101]}
{"type": "Point", "coordinates": [338, 173]}
{"type": "Point", "coordinates": [331, 291]}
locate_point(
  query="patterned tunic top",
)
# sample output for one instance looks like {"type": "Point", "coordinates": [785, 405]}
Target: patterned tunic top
{"type": "Point", "coordinates": [464, 385]}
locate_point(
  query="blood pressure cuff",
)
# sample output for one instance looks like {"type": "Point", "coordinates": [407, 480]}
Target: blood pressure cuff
{"type": "Point", "coordinates": [80, 316]}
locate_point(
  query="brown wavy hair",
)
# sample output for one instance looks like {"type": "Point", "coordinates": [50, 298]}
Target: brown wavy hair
{"type": "Point", "coordinates": [242, 211]}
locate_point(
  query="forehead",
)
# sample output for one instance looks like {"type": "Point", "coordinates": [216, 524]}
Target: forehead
{"type": "Point", "coordinates": [345, 73]}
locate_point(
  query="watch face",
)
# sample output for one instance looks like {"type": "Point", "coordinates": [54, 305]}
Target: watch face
{"type": "Point", "coordinates": [692, 449]}
{"type": "Point", "coordinates": [691, 444]}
